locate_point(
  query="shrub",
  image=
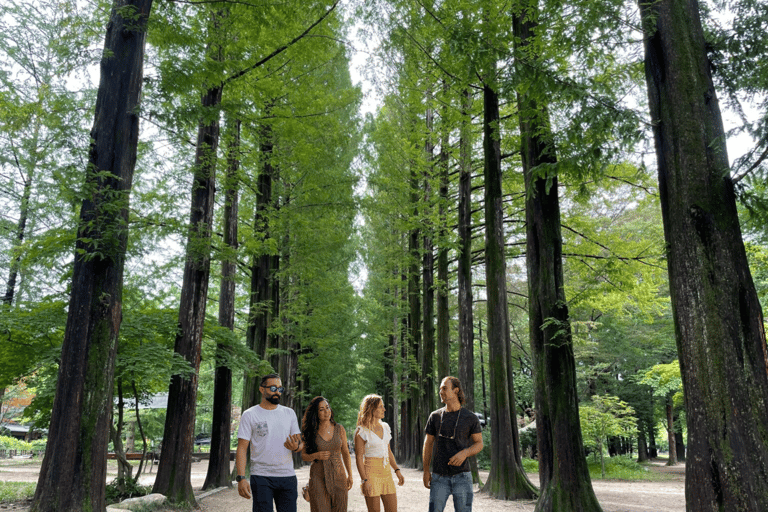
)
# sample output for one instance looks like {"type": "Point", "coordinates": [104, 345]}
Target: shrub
{"type": "Point", "coordinates": [11, 443]}
{"type": "Point", "coordinates": [121, 489]}
{"type": "Point", "coordinates": [16, 491]}
{"type": "Point", "coordinates": [484, 457]}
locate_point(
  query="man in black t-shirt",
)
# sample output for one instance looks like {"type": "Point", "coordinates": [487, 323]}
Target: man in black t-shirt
{"type": "Point", "coordinates": [458, 436]}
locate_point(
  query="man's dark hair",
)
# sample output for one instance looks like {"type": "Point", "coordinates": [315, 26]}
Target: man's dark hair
{"type": "Point", "coordinates": [456, 384]}
{"type": "Point", "coordinates": [265, 378]}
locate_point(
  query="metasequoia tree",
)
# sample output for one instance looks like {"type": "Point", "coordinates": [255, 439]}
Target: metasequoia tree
{"type": "Point", "coordinates": [173, 474]}
{"type": "Point", "coordinates": [73, 474]}
{"type": "Point", "coordinates": [563, 473]}
{"type": "Point", "coordinates": [718, 319]}
{"type": "Point", "coordinates": [218, 474]}
{"type": "Point", "coordinates": [43, 141]}
{"type": "Point", "coordinates": [507, 479]}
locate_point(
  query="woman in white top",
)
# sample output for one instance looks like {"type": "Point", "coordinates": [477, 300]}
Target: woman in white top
{"type": "Point", "coordinates": [374, 457]}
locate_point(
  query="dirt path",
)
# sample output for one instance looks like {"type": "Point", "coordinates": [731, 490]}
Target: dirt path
{"type": "Point", "coordinates": [614, 496]}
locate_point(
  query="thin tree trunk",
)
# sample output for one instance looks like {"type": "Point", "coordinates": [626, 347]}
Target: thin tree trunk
{"type": "Point", "coordinates": [507, 479]}
{"type": "Point", "coordinates": [21, 226]}
{"type": "Point", "coordinates": [443, 311]}
{"type": "Point", "coordinates": [73, 473]}
{"type": "Point", "coordinates": [218, 474]}
{"type": "Point", "coordinates": [413, 431]}
{"type": "Point", "coordinates": [464, 267]}
{"type": "Point", "coordinates": [173, 473]}
{"type": "Point", "coordinates": [427, 402]}
{"type": "Point", "coordinates": [124, 468]}
{"type": "Point", "coordinates": [672, 460]}
{"type": "Point", "coordinates": [718, 319]}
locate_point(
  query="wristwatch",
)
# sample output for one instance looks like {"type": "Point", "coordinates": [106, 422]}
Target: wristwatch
{"type": "Point", "coordinates": [240, 477]}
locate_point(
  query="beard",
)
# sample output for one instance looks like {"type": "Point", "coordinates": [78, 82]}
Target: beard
{"type": "Point", "coordinates": [275, 399]}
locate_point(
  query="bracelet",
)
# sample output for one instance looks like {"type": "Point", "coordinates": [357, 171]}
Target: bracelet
{"type": "Point", "coordinates": [397, 469]}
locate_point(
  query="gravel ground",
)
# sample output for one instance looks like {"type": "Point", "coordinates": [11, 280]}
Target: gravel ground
{"type": "Point", "coordinates": [614, 496]}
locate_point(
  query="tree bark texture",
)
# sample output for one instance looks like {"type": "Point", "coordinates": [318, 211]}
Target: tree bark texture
{"type": "Point", "coordinates": [563, 472]}
{"type": "Point", "coordinates": [672, 459]}
{"type": "Point", "coordinates": [507, 479]}
{"type": "Point", "coordinates": [464, 257]}
{"type": "Point", "coordinates": [173, 472]}
{"type": "Point", "coordinates": [218, 474]}
{"type": "Point", "coordinates": [260, 312]}
{"type": "Point", "coordinates": [427, 353]}
{"type": "Point", "coordinates": [443, 308]}
{"type": "Point", "coordinates": [73, 473]}
{"type": "Point", "coordinates": [466, 328]}
{"type": "Point", "coordinates": [413, 432]}
{"type": "Point", "coordinates": [718, 319]}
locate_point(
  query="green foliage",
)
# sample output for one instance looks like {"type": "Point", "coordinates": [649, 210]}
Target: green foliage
{"type": "Point", "coordinates": [11, 443]}
{"type": "Point", "coordinates": [484, 457]}
{"type": "Point", "coordinates": [121, 489]}
{"type": "Point", "coordinates": [531, 466]}
{"type": "Point", "coordinates": [31, 330]}
{"type": "Point", "coordinates": [665, 379]}
{"type": "Point", "coordinates": [607, 416]}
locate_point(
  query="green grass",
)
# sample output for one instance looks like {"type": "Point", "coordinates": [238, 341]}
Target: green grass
{"type": "Point", "coordinates": [531, 466]}
{"type": "Point", "coordinates": [622, 468]}
{"type": "Point", "coordinates": [616, 468]}
{"type": "Point", "coordinates": [16, 491]}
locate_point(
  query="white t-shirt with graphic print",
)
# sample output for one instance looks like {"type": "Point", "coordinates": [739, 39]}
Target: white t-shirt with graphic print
{"type": "Point", "coordinates": [267, 430]}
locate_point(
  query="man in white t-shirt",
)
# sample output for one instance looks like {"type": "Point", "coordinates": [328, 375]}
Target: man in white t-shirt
{"type": "Point", "coordinates": [272, 431]}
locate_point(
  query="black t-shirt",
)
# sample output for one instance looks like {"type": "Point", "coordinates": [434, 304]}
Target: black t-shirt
{"type": "Point", "coordinates": [453, 433]}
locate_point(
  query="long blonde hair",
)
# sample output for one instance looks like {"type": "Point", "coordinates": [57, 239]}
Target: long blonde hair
{"type": "Point", "coordinates": [365, 417]}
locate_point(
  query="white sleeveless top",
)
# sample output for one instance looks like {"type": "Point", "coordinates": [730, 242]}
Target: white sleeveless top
{"type": "Point", "coordinates": [375, 446]}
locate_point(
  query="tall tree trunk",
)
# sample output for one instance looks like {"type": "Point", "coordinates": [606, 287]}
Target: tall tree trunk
{"type": "Point", "coordinates": [443, 311]}
{"type": "Point", "coordinates": [173, 472]}
{"type": "Point", "coordinates": [443, 308]}
{"type": "Point", "coordinates": [73, 473]}
{"type": "Point", "coordinates": [218, 474]}
{"type": "Point", "coordinates": [507, 479]}
{"type": "Point", "coordinates": [718, 319]}
{"type": "Point", "coordinates": [413, 431]}
{"type": "Point", "coordinates": [464, 267]}
{"type": "Point", "coordinates": [427, 402]}
{"type": "Point", "coordinates": [259, 316]}
{"type": "Point", "coordinates": [563, 472]}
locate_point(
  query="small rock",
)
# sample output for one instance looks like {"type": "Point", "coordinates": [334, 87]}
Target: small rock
{"type": "Point", "coordinates": [132, 503]}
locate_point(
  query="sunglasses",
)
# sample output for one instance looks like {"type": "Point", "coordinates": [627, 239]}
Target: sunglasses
{"type": "Point", "coordinates": [439, 431]}
{"type": "Point", "coordinates": [275, 389]}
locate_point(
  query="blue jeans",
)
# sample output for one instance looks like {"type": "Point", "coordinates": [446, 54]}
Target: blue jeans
{"type": "Point", "coordinates": [460, 486]}
{"type": "Point", "coordinates": [283, 490]}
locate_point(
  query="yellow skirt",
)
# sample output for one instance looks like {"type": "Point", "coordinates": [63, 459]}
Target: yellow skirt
{"type": "Point", "coordinates": [379, 476]}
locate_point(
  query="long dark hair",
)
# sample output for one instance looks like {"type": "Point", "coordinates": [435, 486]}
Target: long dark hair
{"type": "Point", "coordinates": [310, 423]}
